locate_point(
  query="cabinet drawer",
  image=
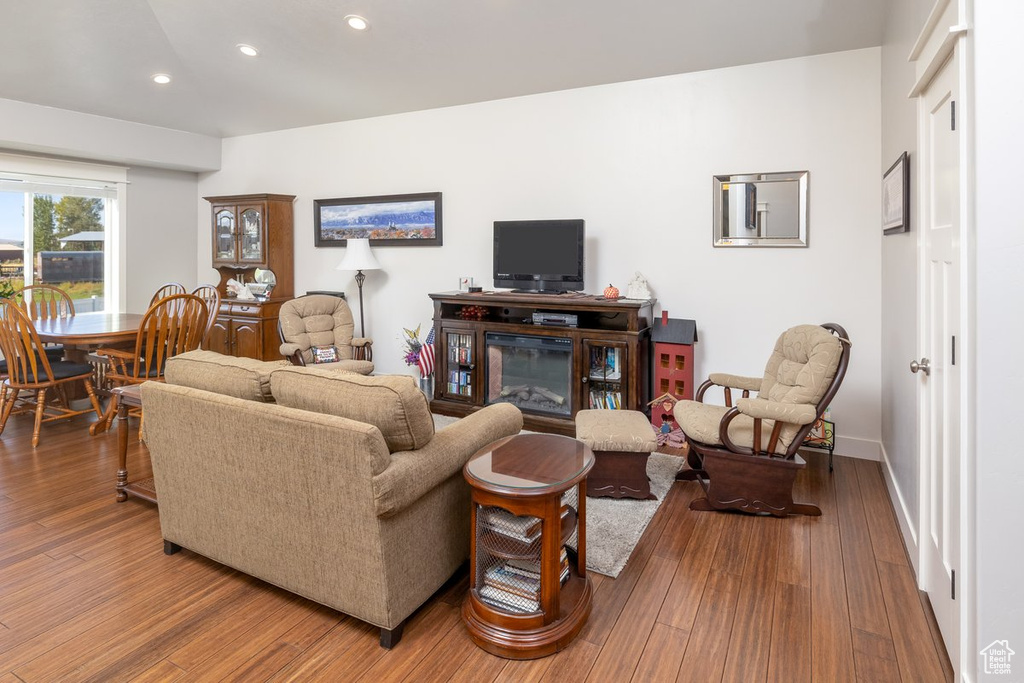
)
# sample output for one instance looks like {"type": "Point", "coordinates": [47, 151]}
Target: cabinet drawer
{"type": "Point", "coordinates": [239, 308]}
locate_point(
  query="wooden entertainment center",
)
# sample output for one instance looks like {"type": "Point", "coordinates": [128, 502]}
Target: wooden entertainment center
{"type": "Point", "coordinates": [583, 352]}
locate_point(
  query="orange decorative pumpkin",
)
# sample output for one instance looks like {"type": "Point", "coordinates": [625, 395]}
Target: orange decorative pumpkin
{"type": "Point", "coordinates": [611, 292]}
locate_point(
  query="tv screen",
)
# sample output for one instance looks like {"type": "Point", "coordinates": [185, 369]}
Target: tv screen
{"type": "Point", "coordinates": [539, 256]}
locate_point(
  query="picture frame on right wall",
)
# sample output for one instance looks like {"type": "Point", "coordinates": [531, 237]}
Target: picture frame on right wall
{"type": "Point", "coordinates": [896, 197]}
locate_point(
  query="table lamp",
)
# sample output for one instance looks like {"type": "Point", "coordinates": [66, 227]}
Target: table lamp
{"type": "Point", "coordinates": [359, 257]}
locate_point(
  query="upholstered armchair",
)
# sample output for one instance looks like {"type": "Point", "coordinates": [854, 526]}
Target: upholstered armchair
{"type": "Point", "coordinates": [318, 328]}
{"type": "Point", "coordinates": [745, 456]}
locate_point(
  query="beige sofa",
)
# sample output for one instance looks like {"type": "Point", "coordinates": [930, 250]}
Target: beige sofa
{"type": "Point", "coordinates": [331, 485]}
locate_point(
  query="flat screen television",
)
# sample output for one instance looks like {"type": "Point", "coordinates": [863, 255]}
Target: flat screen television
{"type": "Point", "coordinates": [539, 256]}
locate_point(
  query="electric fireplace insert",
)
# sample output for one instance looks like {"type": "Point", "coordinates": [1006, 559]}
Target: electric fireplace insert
{"type": "Point", "coordinates": [532, 373]}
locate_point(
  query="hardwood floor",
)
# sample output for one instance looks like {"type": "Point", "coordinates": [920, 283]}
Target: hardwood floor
{"type": "Point", "coordinates": [86, 594]}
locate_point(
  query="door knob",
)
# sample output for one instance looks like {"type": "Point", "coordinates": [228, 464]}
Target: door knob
{"type": "Point", "coordinates": [924, 366]}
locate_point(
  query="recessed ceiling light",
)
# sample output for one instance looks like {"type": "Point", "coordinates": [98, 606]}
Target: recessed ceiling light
{"type": "Point", "coordinates": [162, 79]}
{"type": "Point", "coordinates": [248, 50]}
{"type": "Point", "coordinates": [357, 22]}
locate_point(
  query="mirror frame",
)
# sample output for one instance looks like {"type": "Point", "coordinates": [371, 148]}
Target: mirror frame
{"type": "Point", "coordinates": [718, 237]}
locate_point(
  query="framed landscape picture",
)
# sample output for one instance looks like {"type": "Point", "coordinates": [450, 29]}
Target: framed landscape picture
{"type": "Point", "coordinates": [896, 197]}
{"type": "Point", "coordinates": [397, 220]}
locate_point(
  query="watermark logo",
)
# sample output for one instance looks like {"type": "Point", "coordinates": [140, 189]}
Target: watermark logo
{"type": "Point", "coordinates": [997, 656]}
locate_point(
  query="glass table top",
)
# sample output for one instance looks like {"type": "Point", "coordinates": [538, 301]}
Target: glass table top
{"type": "Point", "coordinates": [531, 461]}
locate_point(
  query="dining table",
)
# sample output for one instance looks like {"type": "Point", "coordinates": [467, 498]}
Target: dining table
{"type": "Point", "coordinates": [85, 332]}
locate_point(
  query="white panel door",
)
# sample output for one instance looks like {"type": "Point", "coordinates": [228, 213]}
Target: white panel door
{"type": "Point", "coordinates": [940, 329]}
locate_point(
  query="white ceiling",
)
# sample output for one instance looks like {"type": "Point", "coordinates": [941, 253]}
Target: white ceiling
{"type": "Point", "coordinates": [97, 56]}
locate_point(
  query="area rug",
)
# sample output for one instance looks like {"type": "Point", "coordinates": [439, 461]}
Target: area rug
{"type": "Point", "coordinates": [614, 526]}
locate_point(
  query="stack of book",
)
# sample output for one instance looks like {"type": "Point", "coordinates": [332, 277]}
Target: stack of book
{"type": "Point", "coordinates": [524, 529]}
{"type": "Point", "coordinates": [514, 585]}
{"type": "Point", "coordinates": [531, 568]}
{"type": "Point", "coordinates": [460, 382]}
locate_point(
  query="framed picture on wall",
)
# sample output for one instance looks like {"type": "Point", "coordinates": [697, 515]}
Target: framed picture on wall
{"type": "Point", "coordinates": [896, 197]}
{"type": "Point", "coordinates": [397, 220]}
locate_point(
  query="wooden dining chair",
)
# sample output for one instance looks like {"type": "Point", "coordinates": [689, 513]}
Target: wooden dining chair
{"type": "Point", "coordinates": [46, 302]}
{"type": "Point", "coordinates": [167, 290]}
{"type": "Point", "coordinates": [211, 295]}
{"type": "Point", "coordinates": [43, 302]}
{"type": "Point", "coordinates": [174, 324]}
{"type": "Point", "coordinates": [29, 370]}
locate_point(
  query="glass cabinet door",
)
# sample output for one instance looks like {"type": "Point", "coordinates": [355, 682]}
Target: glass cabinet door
{"type": "Point", "coordinates": [459, 365]}
{"type": "Point", "coordinates": [251, 242]}
{"type": "Point", "coordinates": [224, 235]}
{"type": "Point", "coordinates": [604, 381]}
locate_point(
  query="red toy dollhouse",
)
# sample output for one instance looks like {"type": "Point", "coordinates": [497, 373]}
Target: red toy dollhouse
{"type": "Point", "coordinates": [672, 362]}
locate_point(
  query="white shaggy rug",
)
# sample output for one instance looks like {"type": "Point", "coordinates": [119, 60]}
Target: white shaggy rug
{"type": "Point", "coordinates": [615, 525]}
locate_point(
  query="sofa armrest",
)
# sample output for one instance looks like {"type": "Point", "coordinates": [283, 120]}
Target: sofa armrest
{"type": "Point", "coordinates": [413, 473]}
{"type": "Point", "coordinates": [799, 414]}
{"type": "Point", "coordinates": [736, 381]}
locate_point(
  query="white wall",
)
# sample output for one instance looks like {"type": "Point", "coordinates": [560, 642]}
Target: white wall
{"type": "Point", "coordinates": [999, 549]}
{"type": "Point", "coordinates": [899, 267]}
{"type": "Point", "coordinates": [160, 205]}
{"type": "Point", "coordinates": [47, 130]}
{"type": "Point", "coordinates": [161, 239]}
{"type": "Point", "coordinates": [636, 161]}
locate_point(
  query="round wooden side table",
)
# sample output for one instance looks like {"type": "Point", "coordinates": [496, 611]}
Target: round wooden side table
{"type": "Point", "coordinates": [530, 594]}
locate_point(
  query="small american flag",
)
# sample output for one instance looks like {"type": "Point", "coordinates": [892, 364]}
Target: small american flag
{"type": "Point", "coordinates": [427, 355]}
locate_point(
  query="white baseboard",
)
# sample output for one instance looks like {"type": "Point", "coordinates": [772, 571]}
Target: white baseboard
{"type": "Point", "coordinates": [862, 449]}
{"type": "Point", "coordinates": [899, 504]}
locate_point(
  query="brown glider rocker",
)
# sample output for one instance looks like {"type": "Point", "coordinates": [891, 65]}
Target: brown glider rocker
{"type": "Point", "coordinates": [745, 456]}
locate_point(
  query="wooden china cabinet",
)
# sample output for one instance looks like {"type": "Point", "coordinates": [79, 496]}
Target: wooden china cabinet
{"type": "Point", "coordinates": [251, 231]}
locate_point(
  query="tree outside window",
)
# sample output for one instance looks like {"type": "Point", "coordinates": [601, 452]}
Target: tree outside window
{"type": "Point", "coordinates": [64, 218]}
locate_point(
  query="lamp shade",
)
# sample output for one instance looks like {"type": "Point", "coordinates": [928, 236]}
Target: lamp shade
{"type": "Point", "coordinates": [358, 256]}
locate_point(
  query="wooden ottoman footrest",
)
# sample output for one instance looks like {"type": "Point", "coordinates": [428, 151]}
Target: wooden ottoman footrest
{"type": "Point", "coordinates": [619, 474]}
{"type": "Point", "coordinates": [621, 440]}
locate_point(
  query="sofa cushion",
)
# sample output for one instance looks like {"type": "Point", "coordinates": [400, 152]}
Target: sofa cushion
{"type": "Point", "coordinates": [392, 403]}
{"type": "Point", "coordinates": [245, 378]}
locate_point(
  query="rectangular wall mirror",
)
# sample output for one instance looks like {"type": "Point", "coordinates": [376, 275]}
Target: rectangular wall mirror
{"type": "Point", "coordinates": [761, 210]}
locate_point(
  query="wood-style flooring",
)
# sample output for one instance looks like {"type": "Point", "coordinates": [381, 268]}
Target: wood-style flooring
{"type": "Point", "coordinates": [86, 594]}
